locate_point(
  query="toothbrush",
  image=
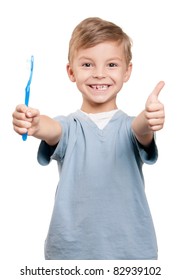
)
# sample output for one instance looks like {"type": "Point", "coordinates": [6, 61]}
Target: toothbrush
{"type": "Point", "coordinates": [27, 91]}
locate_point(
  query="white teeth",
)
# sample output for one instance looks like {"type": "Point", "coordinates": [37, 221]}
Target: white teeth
{"type": "Point", "coordinates": [100, 87]}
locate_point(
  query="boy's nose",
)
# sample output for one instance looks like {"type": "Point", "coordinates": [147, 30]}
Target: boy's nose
{"type": "Point", "coordinates": [99, 73]}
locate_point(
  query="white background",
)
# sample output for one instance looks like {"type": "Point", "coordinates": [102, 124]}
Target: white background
{"type": "Point", "coordinates": [43, 28]}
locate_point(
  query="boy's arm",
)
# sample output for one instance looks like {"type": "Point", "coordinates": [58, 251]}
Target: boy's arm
{"type": "Point", "coordinates": [151, 119]}
{"type": "Point", "coordinates": [48, 130]}
{"type": "Point", "coordinates": [28, 120]}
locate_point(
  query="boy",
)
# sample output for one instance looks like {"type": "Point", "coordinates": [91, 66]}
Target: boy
{"type": "Point", "coordinates": [101, 210]}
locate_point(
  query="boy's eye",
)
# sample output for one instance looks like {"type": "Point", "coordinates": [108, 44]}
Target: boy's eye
{"type": "Point", "coordinates": [86, 64]}
{"type": "Point", "coordinates": [112, 64]}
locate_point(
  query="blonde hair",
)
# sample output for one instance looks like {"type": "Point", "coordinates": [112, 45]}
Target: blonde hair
{"type": "Point", "coordinates": [92, 31]}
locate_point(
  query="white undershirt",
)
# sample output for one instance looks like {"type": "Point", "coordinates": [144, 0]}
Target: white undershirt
{"type": "Point", "coordinates": [101, 119]}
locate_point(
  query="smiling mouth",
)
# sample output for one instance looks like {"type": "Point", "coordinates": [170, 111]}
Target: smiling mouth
{"type": "Point", "coordinates": [99, 87]}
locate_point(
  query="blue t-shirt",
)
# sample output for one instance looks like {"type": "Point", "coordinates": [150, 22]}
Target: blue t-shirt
{"type": "Point", "coordinates": [100, 210]}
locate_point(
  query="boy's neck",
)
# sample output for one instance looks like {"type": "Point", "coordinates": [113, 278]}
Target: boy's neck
{"type": "Point", "coordinates": [98, 108]}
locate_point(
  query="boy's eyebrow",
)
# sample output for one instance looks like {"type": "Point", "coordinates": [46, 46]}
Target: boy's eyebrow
{"type": "Point", "coordinates": [115, 58]}
{"type": "Point", "coordinates": [89, 58]}
{"type": "Point", "coordinates": [84, 57]}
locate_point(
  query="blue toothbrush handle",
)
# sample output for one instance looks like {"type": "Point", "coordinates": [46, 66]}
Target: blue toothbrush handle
{"type": "Point", "coordinates": [27, 92]}
{"type": "Point", "coordinates": [27, 95]}
{"type": "Point", "coordinates": [24, 136]}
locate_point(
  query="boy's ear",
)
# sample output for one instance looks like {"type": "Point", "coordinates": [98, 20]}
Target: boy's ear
{"type": "Point", "coordinates": [128, 72]}
{"type": "Point", "coordinates": [70, 73]}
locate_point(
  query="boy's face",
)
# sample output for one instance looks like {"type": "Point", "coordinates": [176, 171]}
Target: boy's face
{"type": "Point", "coordinates": [99, 73]}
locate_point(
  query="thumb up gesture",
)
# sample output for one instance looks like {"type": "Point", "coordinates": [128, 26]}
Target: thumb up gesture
{"type": "Point", "coordinates": [154, 109]}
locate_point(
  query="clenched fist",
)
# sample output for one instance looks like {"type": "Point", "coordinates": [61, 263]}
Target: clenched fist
{"type": "Point", "coordinates": [26, 120]}
{"type": "Point", "coordinates": [154, 109]}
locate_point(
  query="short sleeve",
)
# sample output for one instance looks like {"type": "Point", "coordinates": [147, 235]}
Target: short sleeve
{"type": "Point", "coordinates": [46, 152]}
{"type": "Point", "coordinates": [148, 155]}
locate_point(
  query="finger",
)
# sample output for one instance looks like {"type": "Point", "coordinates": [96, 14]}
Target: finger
{"type": "Point", "coordinates": [155, 123]}
{"type": "Point", "coordinates": [19, 116]}
{"type": "Point", "coordinates": [32, 113]}
{"type": "Point", "coordinates": [20, 112]}
{"type": "Point", "coordinates": [21, 108]}
{"type": "Point", "coordinates": [158, 88]}
{"type": "Point", "coordinates": [155, 128]}
{"type": "Point", "coordinates": [34, 126]}
{"type": "Point", "coordinates": [153, 97]}
{"type": "Point", "coordinates": [155, 115]}
{"type": "Point", "coordinates": [154, 106]}
{"type": "Point", "coordinates": [20, 130]}
{"type": "Point", "coordinates": [21, 126]}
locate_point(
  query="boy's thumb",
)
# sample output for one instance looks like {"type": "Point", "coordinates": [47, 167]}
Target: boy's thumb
{"type": "Point", "coordinates": [28, 114]}
{"type": "Point", "coordinates": [153, 97]}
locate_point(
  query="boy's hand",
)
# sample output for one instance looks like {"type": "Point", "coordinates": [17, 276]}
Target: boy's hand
{"type": "Point", "coordinates": [26, 120]}
{"type": "Point", "coordinates": [154, 109]}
